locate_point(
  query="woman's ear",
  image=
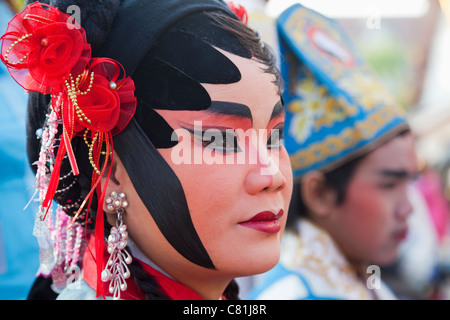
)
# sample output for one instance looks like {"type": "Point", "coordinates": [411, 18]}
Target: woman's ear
{"type": "Point", "coordinates": [117, 179]}
{"type": "Point", "coordinates": [318, 197]}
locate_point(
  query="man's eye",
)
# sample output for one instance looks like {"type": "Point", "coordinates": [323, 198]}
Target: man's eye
{"type": "Point", "coordinates": [387, 185]}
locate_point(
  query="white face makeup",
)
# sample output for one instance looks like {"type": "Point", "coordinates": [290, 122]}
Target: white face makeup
{"type": "Point", "coordinates": [238, 210]}
{"type": "Point", "coordinates": [225, 199]}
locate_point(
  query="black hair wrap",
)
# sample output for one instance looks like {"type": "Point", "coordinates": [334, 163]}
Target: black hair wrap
{"type": "Point", "coordinates": [96, 17]}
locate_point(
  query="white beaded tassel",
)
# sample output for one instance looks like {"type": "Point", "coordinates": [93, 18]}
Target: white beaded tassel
{"type": "Point", "coordinates": [116, 270]}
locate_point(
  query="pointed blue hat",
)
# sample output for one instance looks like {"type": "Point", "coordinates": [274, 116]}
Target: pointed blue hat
{"type": "Point", "coordinates": [336, 108]}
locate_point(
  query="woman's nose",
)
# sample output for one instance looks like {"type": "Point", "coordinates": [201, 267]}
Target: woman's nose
{"type": "Point", "coordinates": [265, 174]}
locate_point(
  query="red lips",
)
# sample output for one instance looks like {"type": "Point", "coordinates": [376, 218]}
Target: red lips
{"type": "Point", "coordinates": [401, 234]}
{"type": "Point", "coordinates": [265, 221]}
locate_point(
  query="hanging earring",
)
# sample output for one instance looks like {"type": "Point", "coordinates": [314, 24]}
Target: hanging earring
{"type": "Point", "coordinates": [116, 270]}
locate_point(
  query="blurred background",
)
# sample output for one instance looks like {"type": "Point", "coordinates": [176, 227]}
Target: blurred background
{"type": "Point", "coordinates": [19, 253]}
{"type": "Point", "coordinates": [407, 43]}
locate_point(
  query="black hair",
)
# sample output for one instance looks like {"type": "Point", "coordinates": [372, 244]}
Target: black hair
{"type": "Point", "coordinates": [337, 179]}
{"type": "Point", "coordinates": [175, 84]}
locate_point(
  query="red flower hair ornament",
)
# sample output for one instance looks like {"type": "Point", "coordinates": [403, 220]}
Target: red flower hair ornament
{"type": "Point", "coordinates": [47, 52]}
{"type": "Point", "coordinates": [239, 11]}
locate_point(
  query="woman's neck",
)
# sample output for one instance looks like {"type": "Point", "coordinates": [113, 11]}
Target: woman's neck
{"type": "Point", "coordinates": [204, 282]}
{"type": "Point", "coordinates": [212, 289]}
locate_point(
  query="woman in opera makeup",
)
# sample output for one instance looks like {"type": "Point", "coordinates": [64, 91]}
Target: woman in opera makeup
{"type": "Point", "coordinates": [206, 178]}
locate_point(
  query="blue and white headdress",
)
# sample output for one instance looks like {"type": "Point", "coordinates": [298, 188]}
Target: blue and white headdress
{"type": "Point", "coordinates": [336, 108]}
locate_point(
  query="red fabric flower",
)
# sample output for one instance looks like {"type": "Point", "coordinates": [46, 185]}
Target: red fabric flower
{"type": "Point", "coordinates": [42, 46]}
{"type": "Point", "coordinates": [109, 102]}
{"type": "Point", "coordinates": [239, 11]}
{"type": "Point", "coordinates": [44, 50]}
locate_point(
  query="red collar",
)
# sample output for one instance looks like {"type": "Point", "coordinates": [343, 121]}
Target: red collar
{"type": "Point", "coordinates": [172, 288]}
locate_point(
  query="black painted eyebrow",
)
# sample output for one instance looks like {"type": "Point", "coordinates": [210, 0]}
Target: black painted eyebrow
{"type": "Point", "coordinates": [230, 109]}
{"type": "Point", "coordinates": [277, 109]}
{"type": "Point", "coordinates": [240, 110]}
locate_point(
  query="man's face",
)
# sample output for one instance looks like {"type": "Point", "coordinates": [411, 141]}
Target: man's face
{"type": "Point", "coordinates": [372, 221]}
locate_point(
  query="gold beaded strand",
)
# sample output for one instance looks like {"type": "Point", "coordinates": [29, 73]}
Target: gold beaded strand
{"type": "Point", "coordinates": [73, 89]}
{"type": "Point", "coordinates": [91, 157]}
{"type": "Point", "coordinates": [8, 51]}
{"type": "Point", "coordinates": [91, 148]}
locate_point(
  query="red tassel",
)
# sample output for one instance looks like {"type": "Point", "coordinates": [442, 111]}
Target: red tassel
{"type": "Point", "coordinates": [54, 179]}
{"type": "Point", "coordinates": [99, 224]}
{"type": "Point", "coordinates": [99, 246]}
